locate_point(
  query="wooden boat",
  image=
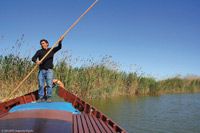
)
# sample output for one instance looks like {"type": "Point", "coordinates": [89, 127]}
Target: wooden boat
{"type": "Point", "coordinates": [24, 114]}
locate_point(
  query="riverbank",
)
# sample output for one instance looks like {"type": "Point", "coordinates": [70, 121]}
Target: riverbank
{"type": "Point", "coordinates": [91, 81]}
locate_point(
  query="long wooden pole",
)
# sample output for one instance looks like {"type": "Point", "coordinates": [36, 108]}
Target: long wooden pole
{"type": "Point", "coordinates": [55, 44]}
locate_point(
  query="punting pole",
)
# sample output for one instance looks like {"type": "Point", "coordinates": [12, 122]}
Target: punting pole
{"type": "Point", "coordinates": [55, 44]}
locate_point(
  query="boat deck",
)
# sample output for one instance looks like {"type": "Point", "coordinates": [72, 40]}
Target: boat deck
{"type": "Point", "coordinates": [37, 121]}
{"type": "Point", "coordinates": [72, 115]}
{"type": "Point", "coordinates": [84, 123]}
{"type": "Point", "coordinates": [39, 117]}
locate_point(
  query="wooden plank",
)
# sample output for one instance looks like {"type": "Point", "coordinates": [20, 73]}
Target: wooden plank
{"type": "Point", "coordinates": [110, 127]}
{"type": "Point", "coordinates": [96, 128]}
{"type": "Point", "coordinates": [98, 124]}
{"type": "Point", "coordinates": [108, 130]}
{"type": "Point", "coordinates": [75, 126]}
{"type": "Point", "coordinates": [89, 123]}
{"type": "Point", "coordinates": [80, 124]}
{"type": "Point", "coordinates": [85, 126]}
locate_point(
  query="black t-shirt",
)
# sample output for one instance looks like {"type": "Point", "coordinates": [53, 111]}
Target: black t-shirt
{"type": "Point", "coordinates": [48, 61]}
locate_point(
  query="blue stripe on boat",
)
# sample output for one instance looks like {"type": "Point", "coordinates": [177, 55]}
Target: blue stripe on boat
{"type": "Point", "coordinates": [64, 106]}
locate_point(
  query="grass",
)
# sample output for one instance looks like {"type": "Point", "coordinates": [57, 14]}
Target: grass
{"type": "Point", "coordinates": [97, 80]}
{"type": "Point", "coordinates": [12, 70]}
{"type": "Point", "coordinates": [93, 79]}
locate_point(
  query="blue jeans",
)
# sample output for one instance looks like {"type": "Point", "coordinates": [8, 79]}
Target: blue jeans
{"type": "Point", "coordinates": [45, 76]}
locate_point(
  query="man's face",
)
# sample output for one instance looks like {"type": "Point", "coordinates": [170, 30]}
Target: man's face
{"type": "Point", "coordinates": [44, 45]}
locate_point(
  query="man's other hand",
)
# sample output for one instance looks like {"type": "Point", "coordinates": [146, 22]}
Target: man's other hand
{"type": "Point", "coordinates": [38, 62]}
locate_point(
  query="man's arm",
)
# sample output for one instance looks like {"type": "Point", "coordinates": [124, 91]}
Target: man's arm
{"type": "Point", "coordinates": [35, 58]}
{"type": "Point", "coordinates": [59, 45]}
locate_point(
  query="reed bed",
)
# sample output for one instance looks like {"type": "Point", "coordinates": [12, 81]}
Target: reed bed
{"type": "Point", "coordinates": [92, 80]}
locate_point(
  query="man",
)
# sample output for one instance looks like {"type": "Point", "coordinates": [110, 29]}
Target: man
{"type": "Point", "coordinates": [45, 73]}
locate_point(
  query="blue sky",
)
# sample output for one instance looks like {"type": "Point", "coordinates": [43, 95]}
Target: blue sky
{"type": "Point", "coordinates": [158, 37]}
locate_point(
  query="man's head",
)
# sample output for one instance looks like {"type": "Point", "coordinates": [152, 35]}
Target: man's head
{"type": "Point", "coordinates": [44, 43]}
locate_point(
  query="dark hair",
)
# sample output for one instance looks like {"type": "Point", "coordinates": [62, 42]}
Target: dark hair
{"type": "Point", "coordinates": [44, 40]}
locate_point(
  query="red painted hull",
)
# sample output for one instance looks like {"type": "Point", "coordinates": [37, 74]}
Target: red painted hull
{"type": "Point", "coordinates": [89, 120]}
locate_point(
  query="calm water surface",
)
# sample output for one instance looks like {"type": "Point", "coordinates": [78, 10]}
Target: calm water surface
{"type": "Point", "coordinates": [177, 113]}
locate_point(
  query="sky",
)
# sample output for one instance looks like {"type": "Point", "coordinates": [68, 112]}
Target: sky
{"type": "Point", "coordinates": [160, 38]}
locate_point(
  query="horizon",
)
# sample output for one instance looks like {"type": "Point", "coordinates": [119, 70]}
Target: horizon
{"type": "Point", "coordinates": [158, 38]}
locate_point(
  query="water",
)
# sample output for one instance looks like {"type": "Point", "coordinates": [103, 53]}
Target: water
{"type": "Point", "coordinates": [177, 113]}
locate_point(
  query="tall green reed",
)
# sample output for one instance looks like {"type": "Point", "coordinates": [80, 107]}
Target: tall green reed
{"type": "Point", "coordinates": [94, 79]}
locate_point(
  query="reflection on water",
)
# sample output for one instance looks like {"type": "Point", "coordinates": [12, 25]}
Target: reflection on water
{"type": "Point", "coordinates": [177, 113]}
